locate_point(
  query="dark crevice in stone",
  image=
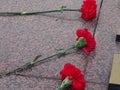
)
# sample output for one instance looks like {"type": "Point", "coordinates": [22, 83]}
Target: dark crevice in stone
{"type": "Point", "coordinates": [98, 17]}
{"type": "Point", "coordinates": [94, 33]}
{"type": "Point", "coordinates": [86, 64]}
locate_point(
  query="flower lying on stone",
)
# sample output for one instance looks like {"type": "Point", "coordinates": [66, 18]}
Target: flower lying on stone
{"type": "Point", "coordinates": [88, 38]}
{"type": "Point", "coordinates": [84, 41]}
{"type": "Point", "coordinates": [73, 77]}
{"type": "Point", "coordinates": [89, 9]}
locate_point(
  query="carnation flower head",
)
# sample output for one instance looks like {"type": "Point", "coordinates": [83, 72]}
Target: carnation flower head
{"type": "Point", "coordinates": [89, 39]}
{"type": "Point", "coordinates": [75, 75]}
{"type": "Point", "coordinates": [89, 9]}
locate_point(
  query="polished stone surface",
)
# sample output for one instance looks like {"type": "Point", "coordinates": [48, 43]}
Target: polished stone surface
{"type": "Point", "coordinates": [22, 38]}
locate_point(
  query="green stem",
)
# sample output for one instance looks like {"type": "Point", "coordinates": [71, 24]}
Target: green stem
{"type": "Point", "coordinates": [31, 13]}
{"type": "Point", "coordinates": [62, 52]}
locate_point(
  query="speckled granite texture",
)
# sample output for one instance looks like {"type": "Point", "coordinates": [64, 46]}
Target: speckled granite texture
{"type": "Point", "coordinates": [22, 38]}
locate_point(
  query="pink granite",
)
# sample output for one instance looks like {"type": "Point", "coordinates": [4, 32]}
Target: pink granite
{"type": "Point", "coordinates": [22, 38]}
{"type": "Point", "coordinates": [28, 83]}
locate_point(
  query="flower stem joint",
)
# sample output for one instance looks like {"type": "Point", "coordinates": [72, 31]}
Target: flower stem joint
{"type": "Point", "coordinates": [62, 9]}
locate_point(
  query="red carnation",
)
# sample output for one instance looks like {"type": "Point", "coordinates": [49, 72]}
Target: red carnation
{"type": "Point", "coordinates": [89, 39]}
{"type": "Point", "coordinates": [75, 75]}
{"type": "Point", "coordinates": [88, 9]}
